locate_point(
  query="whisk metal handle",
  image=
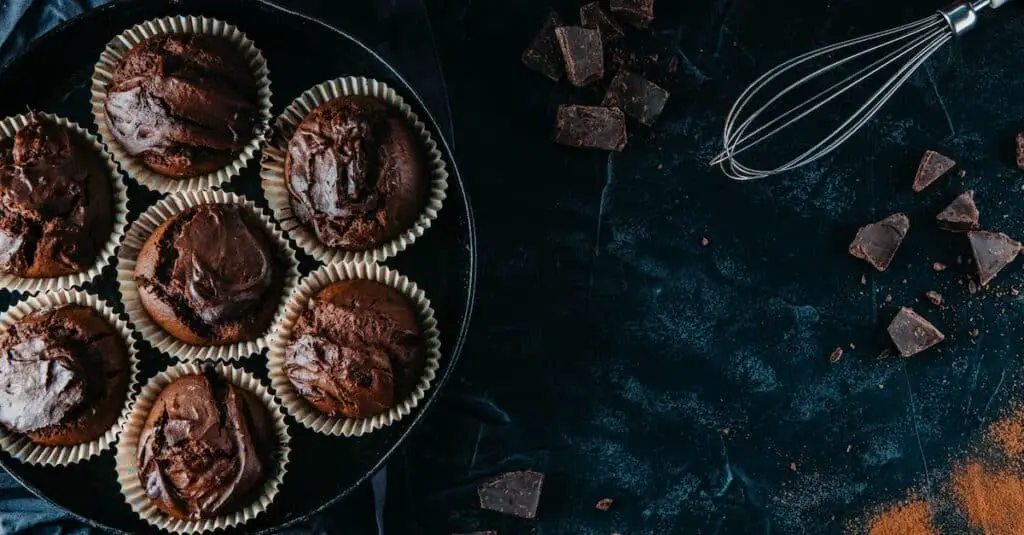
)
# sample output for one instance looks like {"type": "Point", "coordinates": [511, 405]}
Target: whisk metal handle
{"type": "Point", "coordinates": [963, 15]}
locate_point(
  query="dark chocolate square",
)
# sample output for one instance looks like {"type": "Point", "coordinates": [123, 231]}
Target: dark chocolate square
{"type": "Point", "coordinates": [594, 127]}
{"type": "Point", "coordinates": [583, 53]}
{"type": "Point", "coordinates": [640, 98]}
{"type": "Point", "coordinates": [544, 55]}
{"type": "Point", "coordinates": [513, 493]}
{"type": "Point", "coordinates": [592, 16]}
{"type": "Point", "coordinates": [638, 13]}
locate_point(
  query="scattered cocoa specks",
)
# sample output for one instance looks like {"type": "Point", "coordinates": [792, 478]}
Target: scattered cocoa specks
{"type": "Point", "coordinates": [836, 356]}
{"type": "Point", "coordinates": [704, 242]}
{"type": "Point", "coordinates": [974, 332]}
{"type": "Point", "coordinates": [864, 280]}
{"type": "Point", "coordinates": [888, 298]}
{"type": "Point", "coordinates": [792, 467]}
{"type": "Point", "coordinates": [604, 504]}
{"type": "Point", "coordinates": [934, 297]}
{"type": "Point", "coordinates": [972, 287]}
{"type": "Point", "coordinates": [939, 266]}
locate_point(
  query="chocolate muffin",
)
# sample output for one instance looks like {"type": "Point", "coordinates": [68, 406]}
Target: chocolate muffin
{"type": "Point", "coordinates": [211, 275]}
{"type": "Point", "coordinates": [184, 104]}
{"type": "Point", "coordinates": [56, 201]}
{"type": "Point", "coordinates": [357, 350]}
{"type": "Point", "coordinates": [206, 447]}
{"type": "Point", "coordinates": [64, 376]}
{"type": "Point", "coordinates": [356, 172]}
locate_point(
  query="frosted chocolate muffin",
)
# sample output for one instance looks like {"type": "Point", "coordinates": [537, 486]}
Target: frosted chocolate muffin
{"type": "Point", "coordinates": [211, 275]}
{"type": "Point", "coordinates": [64, 376]}
{"type": "Point", "coordinates": [356, 172]}
{"type": "Point", "coordinates": [357, 350]}
{"type": "Point", "coordinates": [206, 447]}
{"type": "Point", "coordinates": [56, 202]}
{"type": "Point", "coordinates": [184, 104]}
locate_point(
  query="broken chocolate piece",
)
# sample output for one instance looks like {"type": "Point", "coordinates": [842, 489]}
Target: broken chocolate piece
{"type": "Point", "coordinates": [992, 252]}
{"type": "Point", "coordinates": [584, 57]}
{"type": "Point", "coordinates": [836, 355]}
{"type": "Point", "coordinates": [913, 334]}
{"type": "Point", "coordinates": [639, 98]}
{"type": "Point", "coordinates": [961, 215]}
{"type": "Point", "coordinates": [1020, 150]}
{"type": "Point", "coordinates": [592, 16]}
{"type": "Point", "coordinates": [604, 504]}
{"type": "Point", "coordinates": [638, 13]}
{"type": "Point", "coordinates": [877, 242]}
{"type": "Point", "coordinates": [933, 166]}
{"type": "Point", "coordinates": [934, 297]}
{"type": "Point", "coordinates": [544, 54]}
{"type": "Point", "coordinates": [593, 127]}
{"type": "Point", "coordinates": [513, 493]}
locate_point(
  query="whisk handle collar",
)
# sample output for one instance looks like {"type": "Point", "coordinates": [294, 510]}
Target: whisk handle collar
{"type": "Point", "coordinates": [963, 14]}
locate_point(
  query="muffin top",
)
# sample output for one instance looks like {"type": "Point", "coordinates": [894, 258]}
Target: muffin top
{"type": "Point", "coordinates": [205, 448]}
{"type": "Point", "coordinates": [64, 376]}
{"type": "Point", "coordinates": [356, 350]}
{"type": "Point", "coordinates": [186, 104]}
{"type": "Point", "coordinates": [210, 275]}
{"type": "Point", "coordinates": [356, 173]}
{"type": "Point", "coordinates": [56, 201]}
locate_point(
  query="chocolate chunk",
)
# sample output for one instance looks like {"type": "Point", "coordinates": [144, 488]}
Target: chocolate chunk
{"type": "Point", "coordinates": [934, 297]}
{"type": "Point", "coordinates": [604, 504]}
{"type": "Point", "coordinates": [543, 55]}
{"type": "Point", "coordinates": [961, 215]}
{"type": "Point", "coordinates": [592, 16]}
{"type": "Point", "coordinates": [593, 127]}
{"type": "Point", "coordinates": [513, 493]}
{"type": "Point", "coordinates": [1020, 150]}
{"type": "Point", "coordinates": [992, 252]}
{"type": "Point", "coordinates": [639, 98]}
{"type": "Point", "coordinates": [584, 57]}
{"type": "Point", "coordinates": [877, 243]}
{"type": "Point", "coordinates": [836, 355]}
{"type": "Point", "coordinates": [933, 166]}
{"type": "Point", "coordinates": [638, 13]}
{"type": "Point", "coordinates": [913, 334]}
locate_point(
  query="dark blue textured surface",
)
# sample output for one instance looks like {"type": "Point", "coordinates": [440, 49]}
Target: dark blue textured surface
{"type": "Point", "coordinates": [612, 351]}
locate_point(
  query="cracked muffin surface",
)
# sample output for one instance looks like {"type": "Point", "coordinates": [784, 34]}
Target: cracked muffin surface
{"type": "Point", "coordinates": [356, 173]}
{"type": "Point", "coordinates": [206, 447]}
{"type": "Point", "coordinates": [211, 275]}
{"type": "Point", "coordinates": [185, 104]}
{"type": "Point", "coordinates": [56, 202]}
{"type": "Point", "coordinates": [64, 376]}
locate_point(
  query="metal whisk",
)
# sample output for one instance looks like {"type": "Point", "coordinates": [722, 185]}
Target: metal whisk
{"type": "Point", "coordinates": [897, 52]}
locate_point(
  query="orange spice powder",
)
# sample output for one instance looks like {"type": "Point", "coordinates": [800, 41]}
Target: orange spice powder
{"type": "Point", "coordinates": [993, 499]}
{"type": "Point", "coordinates": [1008, 434]}
{"type": "Point", "coordinates": [912, 517]}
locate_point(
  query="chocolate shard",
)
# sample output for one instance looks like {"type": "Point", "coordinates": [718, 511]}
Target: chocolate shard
{"type": "Point", "coordinates": [583, 53]}
{"type": "Point", "coordinates": [1020, 150]}
{"type": "Point", "coordinates": [592, 16]}
{"type": "Point", "coordinates": [961, 215]}
{"type": "Point", "coordinates": [544, 55]}
{"type": "Point", "coordinates": [934, 297]}
{"type": "Point", "coordinates": [592, 127]}
{"type": "Point", "coordinates": [638, 13]}
{"type": "Point", "coordinates": [992, 252]}
{"type": "Point", "coordinates": [877, 242]}
{"type": "Point", "coordinates": [913, 334]}
{"type": "Point", "coordinates": [933, 166]}
{"type": "Point", "coordinates": [513, 493]}
{"type": "Point", "coordinates": [638, 97]}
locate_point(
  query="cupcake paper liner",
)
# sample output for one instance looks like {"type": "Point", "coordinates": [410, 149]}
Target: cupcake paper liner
{"type": "Point", "coordinates": [295, 404]}
{"type": "Point", "coordinates": [103, 76]}
{"type": "Point", "coordinates": [276, 190]}
{"type": "Point", "coordinates": [127, 453]}
{"type": "Point", "coordinates": [139, 232]}
{"type": "Point", "coordinates": [107, 254]}
{"type": "Point", "coordinates": [19, 446]}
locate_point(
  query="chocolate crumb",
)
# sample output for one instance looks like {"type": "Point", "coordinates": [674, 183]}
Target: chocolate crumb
{"type": "Point", "coordinates": [939, 266]}
{"type": "Point", "coordinates": [792, 467]}
{"type": "Point", "coordinates": [849, 448]}
{"type": "Point", "coordinates": [1020, 150]}
{"type": "Point", "coordinates": [604, 504]}
{"type": "Point", "coordinates": [933, 166]}
{"type": "Point", "coordinates": [704, 242]}
{"type": "Point", "coordinates": [888, 298]}
{"type": "Point", "coordinates": [974, 332]}
{"type": "Point", "coordinates": [836, 356]}
{"type": "Point", "coordinates": [1014, 292]}
{"type": "Point", "coordinates": [934, 297]}
{"type": "Point", "coordinates": [972, 288]}
{"type": "Point", "coordinates": [863, 279]}
{"type": "Point", "coordinates": [853, 346]}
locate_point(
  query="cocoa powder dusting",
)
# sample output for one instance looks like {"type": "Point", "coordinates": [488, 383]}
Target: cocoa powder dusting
{"type": "Point", "coordinates": [911, 517]}
{"type": "Point", "coordinates": [991, 498]}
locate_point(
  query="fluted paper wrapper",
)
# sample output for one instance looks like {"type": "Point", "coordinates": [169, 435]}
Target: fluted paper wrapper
{"type": "Point", "coordinates": [276, 189]}
{"type": "Point", "coordinates": [19, 446]}
{"type": "Point", "coordinates": [127, 452]}
{"type": "Point", "coordinates": [311, 285]}
{"type": "Point", "coordinates": [140, 231]}
{"type": "Point", "coordinates": [103, 76]}
{"type": "Point", "coordinates": [119, 211]}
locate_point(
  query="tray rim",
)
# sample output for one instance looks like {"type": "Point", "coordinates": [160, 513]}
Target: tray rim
{"type": "Point", "coordinates": [460, 340]}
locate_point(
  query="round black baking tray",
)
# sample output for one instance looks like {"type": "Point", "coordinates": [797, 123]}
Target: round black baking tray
{"type": "Point", "coordinates": [53, 75]}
